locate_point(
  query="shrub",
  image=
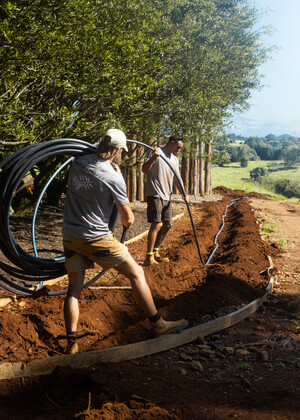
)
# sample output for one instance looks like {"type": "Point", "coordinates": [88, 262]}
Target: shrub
{"type": "Point", "coordinates": [258, 172]}
{"type": "Point", "coordinates": [285, 187]}
{"type": "Point", "coordinates": [244, 162]}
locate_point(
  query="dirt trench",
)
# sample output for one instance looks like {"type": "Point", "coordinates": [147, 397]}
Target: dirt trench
{"type": "Point", "coordinates": [30, 326]}
{"type": "Point", "coordinates": [163, 386]}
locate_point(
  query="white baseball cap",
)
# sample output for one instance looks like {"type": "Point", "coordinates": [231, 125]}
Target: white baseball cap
{"type": "Point", "coordinates": [117, 138]}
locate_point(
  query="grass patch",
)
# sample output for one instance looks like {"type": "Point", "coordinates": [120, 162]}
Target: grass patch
{"type": "Point", "coordinates": [235, 177]}
{"type": "Point", "coordinates": [269, 230]}
{"type": "Point", "coordinates": [282, 243]}
{"type": "Point", "coordinates": [244, 366]}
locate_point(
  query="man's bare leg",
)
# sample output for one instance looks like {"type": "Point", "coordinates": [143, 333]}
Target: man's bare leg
{"type": "Point", "coordinates": [71, 305]}
{"type": "Point", "coordinates": [159, 239]}
{"type": "Point", "coordinates": [139, 285]}
{"type": "Point", "coordinates": [152, 237]}
{"type": "Point", "coordinates": [144, 298]}
{"type": "Point", "coordinates": [162, 233]}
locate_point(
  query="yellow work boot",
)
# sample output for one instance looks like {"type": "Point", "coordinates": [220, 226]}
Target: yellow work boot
{"type": "Point", "coordinates": [72, 347]}
{"type": "Point", "coordinates": [159, 258]}
{"type": "Point", "coordinates": [162, 327]}
{"type": "Point", "coordinates": [149, 260]}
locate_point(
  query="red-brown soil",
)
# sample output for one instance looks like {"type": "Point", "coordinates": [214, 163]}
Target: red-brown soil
{"type": "Point", "coordinates": [248, 371]}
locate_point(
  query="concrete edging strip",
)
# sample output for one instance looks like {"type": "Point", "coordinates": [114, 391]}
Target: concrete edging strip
{"type": "Point", "coordinates": [130, 351]}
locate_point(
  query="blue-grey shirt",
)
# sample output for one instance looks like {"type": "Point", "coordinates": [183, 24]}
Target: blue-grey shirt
{"type": "Point", "coordinates": [93, 187]}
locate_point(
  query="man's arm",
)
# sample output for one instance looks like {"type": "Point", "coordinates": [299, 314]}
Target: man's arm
{"type": "Point", "coordinates": [127, 217]}
{"type": "Point", "coordinates": [149, 163]}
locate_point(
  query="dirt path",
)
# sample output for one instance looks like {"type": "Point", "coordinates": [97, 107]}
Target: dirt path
{"type": "Point", "coordinates": [286, 216]}
{"type": "Point", "coordinates": [249, 371]}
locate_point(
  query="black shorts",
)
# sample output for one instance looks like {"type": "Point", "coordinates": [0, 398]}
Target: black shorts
{"type": "Point", "coordinates": [159, 210]}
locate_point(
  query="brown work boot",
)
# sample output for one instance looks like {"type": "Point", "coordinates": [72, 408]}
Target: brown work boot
{"type": "Point", "coordinates": [162, 327]}
{"type": "Point", "coordinates": [159, 258]}
{"type": "Point", "coordinates": [149, 260]}
{"type": "Point", "coordinates": [72, 347]}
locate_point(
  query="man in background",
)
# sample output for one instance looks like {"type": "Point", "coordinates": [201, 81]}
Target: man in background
{"type": "Point", "coordinates": [159, 187]}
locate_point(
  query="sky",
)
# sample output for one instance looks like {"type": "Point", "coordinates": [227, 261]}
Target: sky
{"type": "Point", "coordinates": [275, 108]}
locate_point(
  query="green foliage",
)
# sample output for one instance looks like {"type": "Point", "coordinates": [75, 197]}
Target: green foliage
{"type": "Point", "coordinates": [238, 152]}
{"type": "Point", "coordinates": [73, 68]}
{"type": "Point", "coordinates": [258, 172]}
{"type": "Point", "coordinates": [221, 157]}
{"type": "Point", "coordinates": [244, 162]}
{"type": "Point", "coordinates": [297, 328]}
{"type": "Point", "coordinates": [286, 187]}
{"type": "Point", "coordinates": [291, 156]}
{"type": "Point", "coordinates": [270, 137]}
{"type": "Point", "coordinates": [233, 137]}
{"type": "Point", "coordinates": [235, 177]}
{"type": "Point", "coordinates": [245, 366]}
{"type": "Point", "coordinates": [282, 243]}
{"type": "Point", "coordinates": [245, 152]}
{"type": "Point", "coordinates": [267, 228]}
{"type": "Point", "coordinates": [271, 148]}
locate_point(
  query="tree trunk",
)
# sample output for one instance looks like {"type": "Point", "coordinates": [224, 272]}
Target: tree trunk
{"type": "Point", "coordinates": [191, 175]}
{"type": "Point", "coordinates": [208, 179]}
{"type": "Point", "coordinates": [175, 188]}
{"type": "Point", "coordinates": [201, 170]}
{"type": "Point", "coordinates": [132, 176]}
{"type": "Point", "coordinates": [195, 189]}
{"type": "Point", "coordinates": [124, 171]}
{"type": "Point", "coordinates": [140, 177]}
{"type": "Point", "coordinates": [185, 172]}
{"type": "Point", "coordinates": [188, 164]}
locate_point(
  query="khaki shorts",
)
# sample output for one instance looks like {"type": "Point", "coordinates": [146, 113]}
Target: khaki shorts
{"type": "Point", "coordinates": [80, 254]}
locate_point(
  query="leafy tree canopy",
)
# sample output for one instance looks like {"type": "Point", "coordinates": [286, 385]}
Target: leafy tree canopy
{"type": "Point", "coordinates": [72, 68]}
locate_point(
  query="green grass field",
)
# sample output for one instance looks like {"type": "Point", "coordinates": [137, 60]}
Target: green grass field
{"type": "Point", "coordinates": [234, 177]}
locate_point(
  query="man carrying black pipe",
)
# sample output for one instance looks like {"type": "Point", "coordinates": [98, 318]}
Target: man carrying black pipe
{"type": "Point", "coordinates": [95, 184]}
{"type": "Point", "coordinates": [159, 187]}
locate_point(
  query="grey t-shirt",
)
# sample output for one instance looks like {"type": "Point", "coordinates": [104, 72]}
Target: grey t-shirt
{"type": "Point", "coordinates": [93, 187]}
{"type": "Point", "coordinates": [160, 177]}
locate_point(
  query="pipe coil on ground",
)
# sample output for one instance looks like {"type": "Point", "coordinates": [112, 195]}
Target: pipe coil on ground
{"type": "Point", "coordinates": [25, 266]}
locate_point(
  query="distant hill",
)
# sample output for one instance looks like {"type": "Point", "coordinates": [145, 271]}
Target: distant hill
{"type": "Point", "coordinates": [233, 136]}
{"type": "Point", "coordinates": [284, 136]}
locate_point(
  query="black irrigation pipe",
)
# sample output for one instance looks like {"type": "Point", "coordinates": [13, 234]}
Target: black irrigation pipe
{"type": "Point", "coordinates": [26, 266]}
{"type": "Point", "coordinates": [13, 169]}
{"type": "Point", "coordinates": [182, 192]}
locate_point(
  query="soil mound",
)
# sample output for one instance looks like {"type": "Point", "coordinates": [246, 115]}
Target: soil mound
{"type": "Point", "coordinates": [238, 193]}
